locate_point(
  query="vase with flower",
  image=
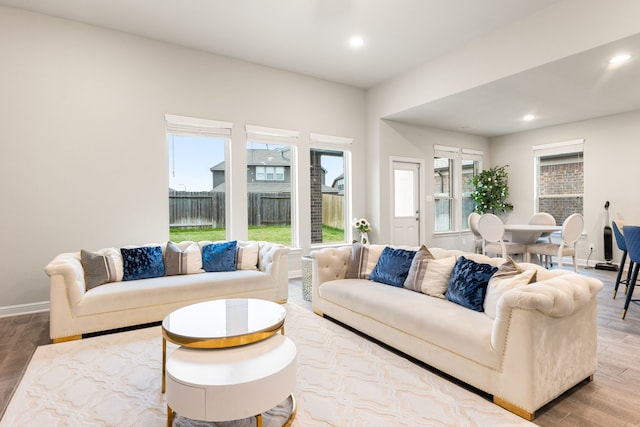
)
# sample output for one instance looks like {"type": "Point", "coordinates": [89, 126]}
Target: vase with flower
{"type": "Point", "coordinates": [363, 226]}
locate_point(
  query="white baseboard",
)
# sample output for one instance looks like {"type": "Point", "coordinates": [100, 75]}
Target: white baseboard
{"type": "Point", "coordinates": [295, 274]}
{"type": "Point", "coordinates": [15, 310]}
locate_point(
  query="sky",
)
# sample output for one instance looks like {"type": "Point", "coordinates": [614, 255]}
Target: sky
{"type": "Point", "coordinates": [190, 159]}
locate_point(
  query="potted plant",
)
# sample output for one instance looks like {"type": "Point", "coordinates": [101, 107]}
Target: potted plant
{"type": "Point", "coordinates": [491, 191]}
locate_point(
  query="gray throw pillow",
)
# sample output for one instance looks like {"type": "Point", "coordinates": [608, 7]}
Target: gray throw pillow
{"type": "Point", "coordinates": [418, 269]}
{"type": "Point", "coordinates": [98, 269]}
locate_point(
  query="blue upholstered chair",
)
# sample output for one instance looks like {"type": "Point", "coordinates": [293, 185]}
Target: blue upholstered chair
{"type": "Point", "coordinates": [617, 232]}
{"type": "Point", "coordinates": [632, 240]}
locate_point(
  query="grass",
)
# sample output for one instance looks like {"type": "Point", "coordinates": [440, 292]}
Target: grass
{"type": "Point", "coordinates": [271, 233]}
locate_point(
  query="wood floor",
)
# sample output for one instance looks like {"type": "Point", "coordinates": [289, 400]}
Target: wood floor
{"type": "Point", "coordinates": [612, 399]}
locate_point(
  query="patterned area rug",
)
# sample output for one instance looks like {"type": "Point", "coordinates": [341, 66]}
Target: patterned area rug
{"type": "Point", "coordinates": [343, 380]}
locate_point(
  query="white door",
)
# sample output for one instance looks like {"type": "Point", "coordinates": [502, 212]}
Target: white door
{"type": "Point", "coordinates": [406, 203]}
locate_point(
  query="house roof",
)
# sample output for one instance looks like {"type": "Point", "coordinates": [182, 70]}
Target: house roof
{"type": "Point", "coordinates": [262, 157]}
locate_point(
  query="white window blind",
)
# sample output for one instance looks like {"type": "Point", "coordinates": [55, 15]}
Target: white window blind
{"type": "Point", "coordinates": [271, 135]}
{"type": "Point", "coordinates": [330, 142]}
{"type": "Point", "coordinates": [181, 125]}
{"type": "Point", "coordinates": [556, 148]}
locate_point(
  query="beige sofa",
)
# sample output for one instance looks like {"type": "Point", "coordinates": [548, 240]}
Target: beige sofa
{"type": "Point", "coordinates": [77, 310]}
{"type": "Point", "coordinates": [540, 343]}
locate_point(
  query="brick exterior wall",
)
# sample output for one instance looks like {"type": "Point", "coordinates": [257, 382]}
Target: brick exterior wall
{"type": "Point", "coordinates": [557, 179]}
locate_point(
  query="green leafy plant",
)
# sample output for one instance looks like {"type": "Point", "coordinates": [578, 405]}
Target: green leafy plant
{"type": "Point", "coordinates": [491, 190]}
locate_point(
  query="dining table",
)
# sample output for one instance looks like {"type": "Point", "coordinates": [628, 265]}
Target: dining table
{"type": "Point", "coordinates": [527, 234]}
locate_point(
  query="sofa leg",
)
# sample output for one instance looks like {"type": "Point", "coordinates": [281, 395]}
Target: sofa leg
{"type": "Point", "coordinates": [318, 312]}
{"type": "Point", "coordinates": [513, 408]}
{"type": "Point", "coordinates": [65, 339]}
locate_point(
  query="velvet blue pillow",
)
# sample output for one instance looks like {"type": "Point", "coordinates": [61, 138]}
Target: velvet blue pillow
{"type": "Point", "coordinates": [142, 263]}
{"type": "Point", "coordinates": [392, 267]}
{"type": "Point", "coordinates": [219, 256]}
{"type": "Point", "coordinates": [468, 283]}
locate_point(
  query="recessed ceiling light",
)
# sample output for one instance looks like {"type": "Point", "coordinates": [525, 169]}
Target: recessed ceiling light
{"type": "Point", "coordinates": [619, 59]}
{"type": "Point", "coordinates": [356, 41]}
{"type": "Point", "coordinates": [528, 117]}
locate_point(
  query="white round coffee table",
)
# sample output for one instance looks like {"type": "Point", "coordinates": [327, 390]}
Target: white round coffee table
{"type": "Point", "coordinates": [232, 364]}
{"type": "Point", "coordinates": [221, 323]}
{"type": "Point", "coordinates": [233, 383]}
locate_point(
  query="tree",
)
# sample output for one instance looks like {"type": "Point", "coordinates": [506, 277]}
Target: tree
{"type": "Point", "coordinates": [491, 190]}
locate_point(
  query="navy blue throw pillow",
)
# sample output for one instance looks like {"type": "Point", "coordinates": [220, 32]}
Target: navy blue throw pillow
{"type": "Point", "coordinates": [219, 256]}
{"type": "Point", "coordinates": [142, 263]}
{"type": "Point", "coordinates": [468, 283]}
{"type": "Point", "coordinates": [392, 267]}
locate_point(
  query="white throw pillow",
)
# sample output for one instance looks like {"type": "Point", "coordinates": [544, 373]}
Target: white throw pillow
{"type": "Point", "coordinates": [247, 256]}
{"type": "Point", "coordinates": [436, 278]}
{"type": "Point", "coordinates": [508, 276]}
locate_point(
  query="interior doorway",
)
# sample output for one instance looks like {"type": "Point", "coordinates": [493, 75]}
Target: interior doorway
{"type": "Point", "coordinates": [406, 205]}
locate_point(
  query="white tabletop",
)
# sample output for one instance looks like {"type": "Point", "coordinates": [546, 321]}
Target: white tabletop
{"type": "Point", "coordinates": [224, 322]}
{"type": "Point", "coordinates": [532, 227]}
{"type": "Point", "coordinates": [528, 234]}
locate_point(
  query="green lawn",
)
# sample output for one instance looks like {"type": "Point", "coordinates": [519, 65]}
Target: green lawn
{"type": "Point", "coordinates": [272, 233]}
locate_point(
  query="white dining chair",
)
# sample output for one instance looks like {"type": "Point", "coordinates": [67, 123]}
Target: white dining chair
{"type": "Point", "coordinates": [543, 218]}
{"type": "Point", "coordinates": [491, 229]}
{"type": "Point", "coordinates": [571, 230]}
{"type": "Point", "coordinates": [473, 226]}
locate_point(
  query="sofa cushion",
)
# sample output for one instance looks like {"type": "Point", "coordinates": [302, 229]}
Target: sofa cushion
{"type": "Point", "coordinates": [120, 296]}
{"type": "Point", "coordinates": [182, 261]}
{"type": "Point", "coordinates": [509, 275]}
{"type": "Point", "coordinates": [98, 269]}
{"type": "Point", "coordinates": [436, 278]}
{"type": "Point", "coordinates": [247, 256]}
{"type": "Point", "coordinates": [433, 320]}
{"type": "Point", "coordinates": [392, 266]}
{"type": "Point", "coordinates": [468, 283]}
{"type": "Point", "coordinates": [142, 262]}
{"type": "Point", "coordinates": [418, 269]}
{"type": "Point", "coordinates": [219, 256]}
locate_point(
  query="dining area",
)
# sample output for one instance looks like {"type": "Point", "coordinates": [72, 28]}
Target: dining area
{"type": "Point", "coordinates": [533, 242]}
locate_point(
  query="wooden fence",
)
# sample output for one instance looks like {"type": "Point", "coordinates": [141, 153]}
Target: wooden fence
{"type": "Point", "coordinates": [198, 209]}
{"type": "Point", "coordinates": [332, 210]}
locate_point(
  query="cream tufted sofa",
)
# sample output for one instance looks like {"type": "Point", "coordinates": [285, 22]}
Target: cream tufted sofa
{"type": "Point", "coordinates": [541, 343]}
{"type": "Point", "coordinates": [74, 310]}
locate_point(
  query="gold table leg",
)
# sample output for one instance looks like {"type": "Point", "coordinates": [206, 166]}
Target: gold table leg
{"type": "Point", "coordinates": [259, 420]}
{"type": "Point", "coordinates": [164, 364]}
{"type": "Point", "coordinates": [169, 416]}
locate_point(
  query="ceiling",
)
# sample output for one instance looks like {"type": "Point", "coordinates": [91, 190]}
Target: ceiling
{"type": "Point", "coordinates": [311, 37]}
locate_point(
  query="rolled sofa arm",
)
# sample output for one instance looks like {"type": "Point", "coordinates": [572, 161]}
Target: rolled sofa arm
{"type": "Point", "coordinates": [556, 297]}
{"type": "Point", "coordinates": [69, 267]}
{"type": "Point", "coordinates": [328, 264]}
{"type": "Point", "coordinates": [273, 260]}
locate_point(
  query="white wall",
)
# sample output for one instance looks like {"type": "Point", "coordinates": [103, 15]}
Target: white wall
{"type": "Point", "coordinates": [562, 29]}
{"type": "Point", "coordinates": [83, 154]}
{"type": "Point", "coordinates": [611, 153]}
{"type": "Point", "coordinates": [403, 140]}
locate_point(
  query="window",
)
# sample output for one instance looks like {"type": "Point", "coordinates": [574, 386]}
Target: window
{"type": "Point", "coordinates": [453, 172]}
{"type": "Point", "coordinates": [471, 166]}
{"type": "Point", "coordinates": [197, 150]}
{"type": "Point", "coordinates": [443, 169]}
{"type": "Point", "coordinates": [271, 191]}
{"type": "Point", "coordinates": [559, 178]}
{"type": "Point", "coordinates": [329, 199]}
{"type": "Point", "coordinates": [269, 173]}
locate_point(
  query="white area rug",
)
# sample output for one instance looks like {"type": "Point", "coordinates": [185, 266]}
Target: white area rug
{"type": "Point", "coordinates": [343, 380]}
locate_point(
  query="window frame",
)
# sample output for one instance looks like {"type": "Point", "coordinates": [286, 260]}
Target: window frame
{"type": "Point", "coordinates": [206, 128]}
{"type": "Point", "coordinates": [564, 148]}
{"type": "Point", "coordinates": [344, 145]}
{"type": "Point", "coordinates": [456, 156]}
